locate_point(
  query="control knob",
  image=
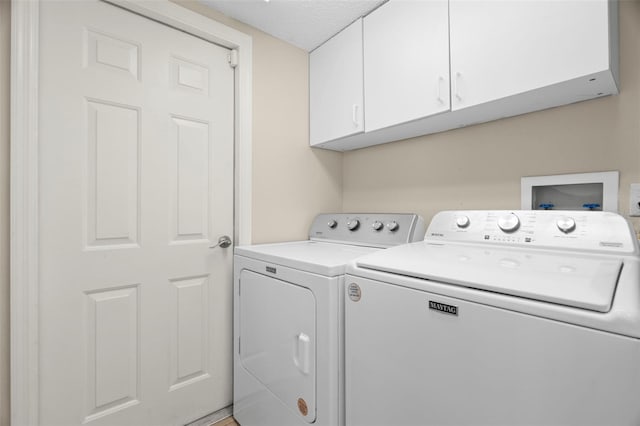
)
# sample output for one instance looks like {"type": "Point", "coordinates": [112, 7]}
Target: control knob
{"type": "Point", "coordinates": [377, 225]}
{"type": "Point", "coordinates": [332, 224]}
{"type": "Point", "coordinates": [353, 224]}
{"type": "Point", "coordinates": [393, 226]}
{"type": "Point", "coordinates": [509, 223]}
{"type": "Point", "coordinates": [462, 221]}
{"type": "Point", "coordinates": [566, 224]}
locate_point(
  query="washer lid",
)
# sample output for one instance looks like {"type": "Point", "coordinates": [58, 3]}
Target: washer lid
{"type": "Point", "coordinates": [328, 259]}
{"type": "Point", "coordinates": [581, 281]}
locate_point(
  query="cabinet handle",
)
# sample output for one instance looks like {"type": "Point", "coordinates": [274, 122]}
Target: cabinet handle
{"type": "Point", "coordinates": [455, 89]}
{"type": "Point", "coordinates": [354, 117]}
{"type": "Point", "coordinates": [440, 81]}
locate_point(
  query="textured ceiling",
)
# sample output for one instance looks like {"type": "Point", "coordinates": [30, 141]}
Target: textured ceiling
{"type": "Point", "coordinates": [303, 23]}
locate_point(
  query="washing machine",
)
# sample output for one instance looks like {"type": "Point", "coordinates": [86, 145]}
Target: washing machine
{"type": "Point", "coordinates": [497, 318]}
{"type": "Point", "coordinates": [288, 318]}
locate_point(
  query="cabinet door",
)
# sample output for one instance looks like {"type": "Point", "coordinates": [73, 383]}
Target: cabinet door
{"type": "Point", "coordinates": [503, 48]}
{"type": "Point", "coordinates": [335, 86]}
{"type": "Point", "coordinates": [406, 62]}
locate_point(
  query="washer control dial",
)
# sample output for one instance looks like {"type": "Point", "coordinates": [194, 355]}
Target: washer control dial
{"type": "Point", "coordinates": [353, 224]}
{"type": "Point", "coordinates": [377, 225]}
{"type": "Point", "coordinates": [566, 224]}
{"type": "Point", "coordinates": [462, 221]}
{"type": "Point", "coordinates": [332, 224]}
{"type": "Point", "coordinates": [393, 226]}
{"type": "Point", "coordinates": [509, 222]}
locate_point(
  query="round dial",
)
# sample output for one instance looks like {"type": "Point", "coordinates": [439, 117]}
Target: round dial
{"type": "Point", "coordinates": [462, 221]}
{"type": "Point", "coordinates": [393, 226]}
{"type": "Point", "coordinates": [566, 224]}
{"type": "Point", "coordinates": [377, 225]}
{"type": "Point", "coordinates": [509, 223]}
{"type": "Point", "coordinates": [353, 224]}
{"type": "Point", "coordinates": [332, 224]}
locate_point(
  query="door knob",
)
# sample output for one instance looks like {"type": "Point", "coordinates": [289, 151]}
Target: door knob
{"type": "Point", "coordinates": [223, 242]}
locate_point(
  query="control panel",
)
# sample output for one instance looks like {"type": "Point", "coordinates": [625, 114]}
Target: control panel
{"type": "Point", "coordinates": [588, 230]}
{"type": "Point", "coordinates": [368, 229]}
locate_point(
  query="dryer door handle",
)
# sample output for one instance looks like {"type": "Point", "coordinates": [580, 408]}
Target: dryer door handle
{"type": "Point", "coordinates": [302, 352]}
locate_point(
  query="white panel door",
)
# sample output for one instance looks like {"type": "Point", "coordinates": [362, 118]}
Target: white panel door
{"type": "Point", "coordinates": [406, 62]}
{"type": "Point", "coordinates": [503, 48]}
{"type": "Point", "coordinates": [136, 175]}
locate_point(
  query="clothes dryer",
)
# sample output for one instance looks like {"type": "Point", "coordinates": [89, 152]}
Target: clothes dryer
{"type": "Point", "coordinates": [288, 318]}
{"type": "Point", "coordinates": [498, 318]}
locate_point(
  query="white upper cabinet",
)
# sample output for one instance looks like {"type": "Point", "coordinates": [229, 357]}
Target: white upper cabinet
{"type": "Point", "coordinates": [436, 65]}
{"type": "Point", "coordinates": [406, 62]}
{"type": "Point", "coordinates": [336, 86]}
{"type": "Point", "coordinates": [504, 48]}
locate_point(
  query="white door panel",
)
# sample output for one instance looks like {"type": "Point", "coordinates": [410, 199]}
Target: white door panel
{"type": "Point", "coordinates": [136, 128]}
{"type": "Point", "coordinates": [278, 339]}
{"type": "Point", "coordinates": [336, 94]}
{"type": "Point", "coordinates": [542, 49]}
{"type": "Point", "coordinates": [406, 62]}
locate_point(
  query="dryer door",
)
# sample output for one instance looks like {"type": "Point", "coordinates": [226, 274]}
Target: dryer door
{"type": "Point", "coordinates": [278, 339]}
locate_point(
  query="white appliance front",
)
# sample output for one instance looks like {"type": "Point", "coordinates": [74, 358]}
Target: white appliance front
{"type": "Point", "coordinates": [410, 365]}
{"type": "Point", "coordinates": [288, 318]}
{"type": "Point", "coordinates": [289, 335]}
{"type": "Point", "coordinates": [268, 321]}
{"type": "Point", "coordinates": [474, 326]}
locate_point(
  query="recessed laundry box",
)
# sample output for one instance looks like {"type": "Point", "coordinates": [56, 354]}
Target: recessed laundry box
{"type": "Point", "coordinates": [581, 191]}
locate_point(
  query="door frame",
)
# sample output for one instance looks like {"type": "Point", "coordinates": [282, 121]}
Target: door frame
{"type": "Point", "coordinates": [24, 186]}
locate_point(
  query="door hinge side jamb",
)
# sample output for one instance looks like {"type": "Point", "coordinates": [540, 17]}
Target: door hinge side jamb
{"type": "Point", "coordinates": [232, 58]}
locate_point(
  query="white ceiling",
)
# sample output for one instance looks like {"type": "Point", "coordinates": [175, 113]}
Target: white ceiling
{"type": "Point", "coordinates": [303, 23]}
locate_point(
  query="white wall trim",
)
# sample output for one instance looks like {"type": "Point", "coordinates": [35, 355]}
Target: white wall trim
{"type": "Point", "coordinates": [24, 173]}
{"type": "Point", "coordinates": [24, 213]}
